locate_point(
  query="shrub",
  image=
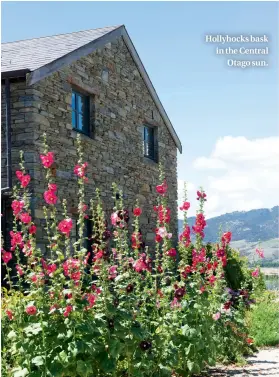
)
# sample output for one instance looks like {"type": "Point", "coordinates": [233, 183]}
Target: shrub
{"type": "Point", "coordinates": [120, 310]}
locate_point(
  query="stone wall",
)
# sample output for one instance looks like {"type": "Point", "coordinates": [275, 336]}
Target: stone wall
{"type": "Point", "coordinates": [119, 108]}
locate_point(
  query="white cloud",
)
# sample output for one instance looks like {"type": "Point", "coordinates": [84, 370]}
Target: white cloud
{"type": "Point", "coordinates": [244, 174]}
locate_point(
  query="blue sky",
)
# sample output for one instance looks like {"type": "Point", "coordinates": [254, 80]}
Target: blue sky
{"type": "Point", "coordinates": [217, 111]}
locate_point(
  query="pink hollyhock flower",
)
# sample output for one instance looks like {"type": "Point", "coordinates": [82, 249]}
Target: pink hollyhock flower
{"type": "Point", "coordinates": [216, 316]}
{"type": "Point", "coordinates": [171, 253]}
{"type": "Point", "coordinates": [76, 276]}
{"type": "Point", "coordinates": [162, 189]}
{"type": "Point", "coordinates": [91, 300]}
{"type": "Point", "coordinates": [16, 240]}
{"type": "Point", "coordinates": [96, 289]}
{"type": "Point", "coordinates": [25, 218]}
{"type": "Point", "coordinates": [19, 175]}
{"type": "Point", "coordinates": [260, 253]}
{"type": "Point", "coordinates": [139, 265]}
{"type": "Point", "coordinates": [175, 303]}
{"type": "Point", "coordinates": [48, 159]}
{"type": "Point", "coordinates": [17, 206]}
{"type": "Point", "coordinates": [256, 273]}
{"type": "Point", "coordinates": [52, 187]}
{"type": "Point", "coordinates": [201, 195]}
{"type": "Point", "coordinates": [27, 249]}
{"type": "Point", "coordinates": [25, 180]}
{"type": "Point", "coordinates": [114, 218]}
{"type": "Point", "coordinates": [7, 256]}
{"type": "Point", "coordinates": [162, 232]}
{"type": "Point", "coordinates": [32, 229]}
{"type": "Point", "coordinates": [112, 272]}
{"type": "Point", "coordinates": [137, 211]}
{"type": "Point", "coordinates": [79, 170]}
{"type": "Point", "coordinates": [19, 270]}
{"type": "Point", "coordinates": [50, 197]}
{"type": "Point", "coordinates": [9, 314]}
{"type": "Point", "coordinates": [212, 280]}
{"type": "Point", "coordinates": [68, 310]}
{"type": "Point", "coordinates": [65, 226]}
{"type": "Point", "coordinates": [185, 206]}
{"type": "Point", "coordinates": [226, 238]}
{"type": "Point", "coordinates": [51, 268]}
{"type": "Point", "coordinates": [31, 310]}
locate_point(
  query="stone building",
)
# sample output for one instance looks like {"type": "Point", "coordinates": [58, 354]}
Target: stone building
{"type": "Point", "coordinates": [92, 83]}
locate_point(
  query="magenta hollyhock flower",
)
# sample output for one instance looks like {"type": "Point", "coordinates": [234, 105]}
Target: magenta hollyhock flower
{"type": "Point", "coordinates": [7, 256]}
{"type": "Point", "coordinates": [31, 310]}
{"type": "Point", "coordinates": [212, 280]}
{"type": "Point", "coordinates": [171, 253]}
{"type": "Point", "coordinates": [50, 197]}
{"type": "Point", "coordinates": [256, 273]}
{"type": "Point", "coordinates": [175, 303]}
{"type": "Point", "coordinates": [52, 187]}
{"type": "Point", "coordinates": [137, 211]}
{"type": "Point", "coordinates": [201, 195]}
{"type": "Point", "coordinates": [140, 265]}
{"type": "Point", "coordinates": [80, 170]}
{"type": "Point", "coordinates": [9, 314]}
{"type": "Point", "coordinates": [32, 229]}
{"type": "Point", "coordinates": [65, 226]}
{"type": "Point", "coordinates": [185, 206]}
{"type": "Point", "coordinates": [260, 253]}
{"type": "Point", "coordinates": [19, 175]}
{"type": "Point", "coordinates": [68, 310]}
{"type": "Point", "coordinates": [51, 268]}
{"type": "Point", "coordinates": [216, 316]}
{"type": "Point", "coordinates": [19, 270]}
{"type": "Point", "coordinates": [162, 189]}
{"type": "Point", "coordinates": [16, 239]}
{"type": "Point", "coordinates": [48, 159]}
{"type": "Point", "coordinates": [76, 276]}
{"type": "Point", "coordinates": [226, 238]}
{"type": "Point", "coordinates": [25, 180]}
{"type": "Point", "coordinates": [17, 206]}
{"type": "Point", "coordinates": [25, 218]}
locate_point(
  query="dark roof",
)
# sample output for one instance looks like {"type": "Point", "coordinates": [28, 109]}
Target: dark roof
{"type": "Point", "coordinates": [45, 55]}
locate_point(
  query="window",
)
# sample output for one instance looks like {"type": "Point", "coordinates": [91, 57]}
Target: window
{"type": "Point", "coordinates": [150, 142]}
{"type": "Point", "coordinates": [80, 112]}
{"type": "Point", "coordinates": [87, 233]}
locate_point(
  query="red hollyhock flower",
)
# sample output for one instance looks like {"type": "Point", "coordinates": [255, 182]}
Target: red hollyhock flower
{"type": "Point", "coordinates": [249, 340]}
{"type": "Point", "coordinates": [76, 276]}
{"type": "Point", "coordinates": [162, 189]}
{"type": "Point", "coordinates": [171, 253]}
{"type": "Point", "coordinates": [185, 206]}
{"type": "Point", "coordinates": [19, 175]}
{"type": "Point", "coordinates": [179, 292]}
{"type": "Point", "coordinates": [50, 197]}
{"type": "Point", "coordinates": [7, 256]}
{"type": "Point", "coordinates": [201, 195]}
{"type": "Point", "coordinates": [187, 270]}
{"type": "Point", "coordinates": [25, 218]}
{"type": "Point", "coordinates": [51, 268]}
{"type": "Point", "coordinates": [137, 211]}
{"type": "Point", "coordinates": [31, 310]}
{"type": "Point", "coordinates": [32, 229]}
{"type": "Point", "coordinates": [227, 305]}
{"type": "Point", "coordinates": [19, 270]}
{"type": "Point", "coordinates": [160, 269]}
{"type": "Point", "coordinates": [16, 240]}
{"type": "Point", "coordinates": [226, 238]}
{"type": "Point", "coordinates": [68, 310]}
{"type": "Point", "coordinates": [65, 226]}
{"type": "Point", "coordinates": [212, 280]}
{"type": "Point", "coordinates": [17, 206]}
{"type": "Point", "coordinates": [9, 314]}
{"type": "Point", "coordinates": [48, 159]}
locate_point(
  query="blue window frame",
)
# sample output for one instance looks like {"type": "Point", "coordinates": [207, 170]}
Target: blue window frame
{"type": "Point", "coordinates": [80, 112]}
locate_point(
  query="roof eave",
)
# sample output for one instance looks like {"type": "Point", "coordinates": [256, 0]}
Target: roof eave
{"type": "Point", "coordinates": [15, 74]}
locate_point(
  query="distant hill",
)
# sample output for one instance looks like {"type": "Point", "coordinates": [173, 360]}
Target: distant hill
{"type": "Point", "coordinates": [248, 228]}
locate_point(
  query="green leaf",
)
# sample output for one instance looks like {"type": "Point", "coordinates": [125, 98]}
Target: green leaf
{"type": "Point", "coordinates": [193, 367]}
{"type": "Point", "coordinates": [83, 368]}
{"type": "Point", "coordinates": [211, 361]}
{"type": "Point", "coordinates": [115, 347]}
{"type": "Point", "coordinates": [38, 360]}
{"type": "Point", "coordinates": [63, 358]}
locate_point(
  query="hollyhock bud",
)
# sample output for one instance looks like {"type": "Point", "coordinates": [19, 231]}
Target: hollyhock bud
{"type": "Point", "coordinates": [31, 310]}
{"type": "Point", "coordinates": [185, 206]}
{"type": "Point", "coordinates": [25, 218]}
{"type": "Point", "coordinates": [48, 159]}
{"type": "Point", "coordinates": [137, 211]}
{"type": "Point", "coordinates": [7, 256]}
{"type": "Point", "coordinates": [65, 226]}
{"type": "Point", "coordinates": [50, 197]}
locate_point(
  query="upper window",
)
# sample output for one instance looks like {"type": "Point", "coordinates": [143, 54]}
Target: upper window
{"type": "Point", "coordinates": [149, 143]}
{"type": "Point", "coordinates": [80, 112]}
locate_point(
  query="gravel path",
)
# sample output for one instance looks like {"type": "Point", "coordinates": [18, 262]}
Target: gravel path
{"type": "Point", "coordinates": [264, 363]}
